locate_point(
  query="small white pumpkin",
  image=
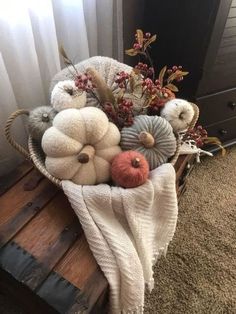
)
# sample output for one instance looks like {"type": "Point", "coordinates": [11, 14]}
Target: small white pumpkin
{"type": "Point", "coordinates": [66, 95]}
{"type": "Point", "coordinates": [179, 113]}
{"type": "Point", "coordinates": [81, 145]}
{"type": "Point", "coordinates": [152, 136]}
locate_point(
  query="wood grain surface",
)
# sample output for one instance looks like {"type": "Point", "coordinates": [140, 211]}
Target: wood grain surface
{"type": "Point", "coordinates": [39, 229]}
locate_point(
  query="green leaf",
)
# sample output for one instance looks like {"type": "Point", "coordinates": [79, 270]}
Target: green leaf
{"type": "Point", "coordinates": [139, 34]}
{"type": "Point", "coordinates": [161, 75]}
{"type": "Point", "coordinates": [172, 87]}
{"type": "Point", "coordinates": [131, 52]}
{"type": "Point", "coordinates": [149, 41]}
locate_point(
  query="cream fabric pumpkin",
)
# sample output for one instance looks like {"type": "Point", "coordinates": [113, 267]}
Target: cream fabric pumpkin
{"type": "Point", "coordinates": [152, 136]}
{"type": "Point", "coordinates": [179, 113]}
{"type": "Point", "coordinates": [66, 95]}
{"type": "Point", "coordinates": [81, 145]}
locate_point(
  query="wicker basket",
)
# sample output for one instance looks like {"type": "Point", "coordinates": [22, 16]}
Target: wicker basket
{"type": "Point", "coordinates": [36, 155]}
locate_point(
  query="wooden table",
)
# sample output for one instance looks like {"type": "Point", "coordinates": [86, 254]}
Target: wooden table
{"type": "Point", "coordinates": [45, 261]}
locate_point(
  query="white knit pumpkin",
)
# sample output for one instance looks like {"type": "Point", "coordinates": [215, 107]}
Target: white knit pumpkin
{"type": "Point", "coordinates": [179, 113]}
{"type": "Point", "coordinates": [66, 95]}
{"type": "Point", "coordinates": [152, 136]}
{"type": "Point", "coordinates": [80, 146]}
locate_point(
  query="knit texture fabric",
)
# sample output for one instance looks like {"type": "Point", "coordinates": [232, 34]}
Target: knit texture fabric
{"type": "Point", "coordinates": [108, 69]}
{"type": "Point", "coordinates": [127, 230]}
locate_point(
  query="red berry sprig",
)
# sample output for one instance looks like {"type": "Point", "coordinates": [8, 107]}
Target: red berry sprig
{"type": "Point", "coordinates": [144, 69]}
{"type": "Point", "coordinates": [84, 82]}
{"type": "Point", "coordinates": [139, 45]}
{"type": "Point", "coordinates": [176, 69]}
{"type": "Point", "coordinates": [198, 134]}
{"type": "Point", "coordinates": [159, 95]}
{"type": "Point", "coordinates": [122, 114]}
{"type": "Point", "coordinates": [122, 79]}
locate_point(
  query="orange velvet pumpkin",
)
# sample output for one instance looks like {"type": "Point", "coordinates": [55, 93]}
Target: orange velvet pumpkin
{"type": "Point", "coordinates": [129, 169]}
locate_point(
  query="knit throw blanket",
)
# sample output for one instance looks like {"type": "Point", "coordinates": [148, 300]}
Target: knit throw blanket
{"type": "Point", "coordinates": [127, 229]}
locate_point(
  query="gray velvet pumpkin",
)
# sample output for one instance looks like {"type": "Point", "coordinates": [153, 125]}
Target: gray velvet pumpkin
{"type": "Point", "coordinates": [40, 119]}
{"type": "Point", "coordinates": [152, 136]}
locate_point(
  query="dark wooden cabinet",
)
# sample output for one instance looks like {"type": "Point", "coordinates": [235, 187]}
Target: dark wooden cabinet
{"type": "Point", "coordinates": [216, 93]}
{"type": "Point", "coordinates": [200, 35]}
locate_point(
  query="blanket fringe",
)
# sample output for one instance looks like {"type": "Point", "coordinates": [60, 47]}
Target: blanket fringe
{"type": "Point", "coordinates": [162, 251]}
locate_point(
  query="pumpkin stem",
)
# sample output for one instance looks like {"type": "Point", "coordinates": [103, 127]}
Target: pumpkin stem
{"type": "Point", "coordinates": [86, 154]}
{"type": "Point", "coordinates": [146, 139]}
{"type": "Point", "coordinates": [135, 162]}
{"type": "Point", "coordinates": [45, 117]}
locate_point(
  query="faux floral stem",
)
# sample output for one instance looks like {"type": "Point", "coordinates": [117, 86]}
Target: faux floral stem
{"type": "Point", "coordinates": [95, 96]}
{"type": "Point", "coordinates": [151, 63]}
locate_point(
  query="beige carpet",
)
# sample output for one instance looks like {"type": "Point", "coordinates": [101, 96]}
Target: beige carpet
{"type": "Point", "coordinates": [199, 272]}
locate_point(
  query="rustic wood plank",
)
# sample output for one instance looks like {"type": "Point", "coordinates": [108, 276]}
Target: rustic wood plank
{"type": "Point", "coordinates": [23, 296]}
{"type": "Point", "coordinates": [102, 304]}
{"type": "Point", "coordinates": [7, 181]}
{"type": "Point", "coordinates": [56, 228]}
{"type": "Point", "coordinates": [78, 258]}
{"type": "Point", "coordinates": [91, 295]}
{"type": "Point", "coordinates": [14, 199]}
{"type": "Point", "coordinates": [45, 228]}
{"type": "Point", "coordinates": [26, 213]}
{"type": "Point", "coordinates": [38, 273]}
{"type": "Point", "coordinates": [61, 294]}
{"type": "Point", "coordinates": [31, 271]}
{"type": "Point", "coordinates": [81, 255]}
{"type": "Point", "coordinates": [64, 241]}
{"type": "Point", "coordinates": [54, 254]}
{"type": "Point", "coordinates": [34, 181]}
{"type": "Point", "coordinates": [180, 164]}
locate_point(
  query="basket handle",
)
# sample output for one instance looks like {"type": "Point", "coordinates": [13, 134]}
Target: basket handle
{"type": "Point", "coordinates": [7, 132]}
{"type": "Point", "coordinates": [195, 117]}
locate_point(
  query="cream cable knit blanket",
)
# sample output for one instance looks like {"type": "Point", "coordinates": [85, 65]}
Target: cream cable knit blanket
{"type": "Point", "coordinates": [127, 229]}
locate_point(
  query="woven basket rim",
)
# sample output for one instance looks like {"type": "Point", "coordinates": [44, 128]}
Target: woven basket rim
{"type": "Point", "coordinates": [37, 156]}
{"type": "Point", "coordinates": [38, 159]}
{"type": "Point", "coordinates": [39, 162]}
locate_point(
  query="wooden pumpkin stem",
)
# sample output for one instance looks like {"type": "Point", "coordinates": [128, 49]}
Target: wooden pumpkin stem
{"type": "Point", "coordinates": [146, 139]}
{"type": "Point", "coordinates": [45, 117]}
{"type": "Point", "coordinates": [86, 154]}
{"type": "Point", "coordinates": [135, 162]}
{"type": "Point", "coordinates": [69, 90]}
{"type": "Point", "coordinates": [181, 116]}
